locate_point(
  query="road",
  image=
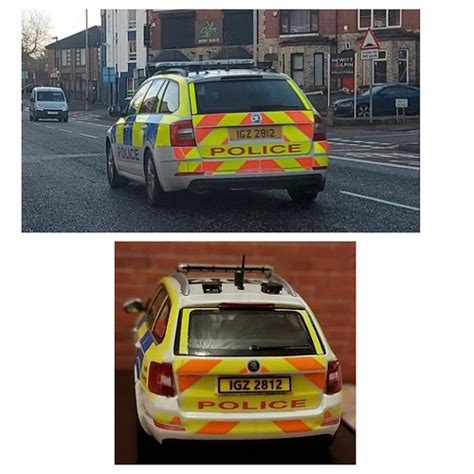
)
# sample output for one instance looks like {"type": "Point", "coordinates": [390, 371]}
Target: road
{"type": "Point", "coordinates": [372, 186]}
{"type": "Point", "coordinates": [133, 446]}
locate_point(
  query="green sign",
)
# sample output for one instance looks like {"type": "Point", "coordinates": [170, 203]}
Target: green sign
{"type": "Point", "coordinates": [208, 32]}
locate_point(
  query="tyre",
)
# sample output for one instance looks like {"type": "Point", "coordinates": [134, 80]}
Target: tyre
{"type": "Point", "coordinates": [154, 191]}
{"type": "Point", "coordinates": [303, 195]}
{"type": "Point", "coordinates": [65, 118]}
{"type": "Point", "coordinates": [35, 118]}
{"type": "Point", "coordinates": [31, 118]}
{"type": "Point", "coordinates": [363, 111]}
{"type": "Point", "coordinates": [115, 180]}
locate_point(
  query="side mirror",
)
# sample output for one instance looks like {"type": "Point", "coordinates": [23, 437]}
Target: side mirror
{"type": "Point", "coordinates": [134, 306]}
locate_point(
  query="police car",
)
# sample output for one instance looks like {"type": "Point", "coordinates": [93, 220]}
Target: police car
{"type": "Point", "coordinates": [233, 353]}
{"type": "Point", "coordinates": [201, 126]}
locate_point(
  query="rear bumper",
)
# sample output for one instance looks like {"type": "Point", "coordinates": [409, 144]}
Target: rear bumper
{"type": "Point", "coordinates": [163, 419]}
{"type": "Point", "coordinates": [284, 181]}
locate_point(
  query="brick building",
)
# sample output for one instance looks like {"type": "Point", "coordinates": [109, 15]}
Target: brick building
{"type": "Point", "coordinates": [299, 41]}
{"type": "Point", "coordinates": [323, 273]}
{"type": "Point", "coordinates": [67, 63]}
{"type": "Point", "coordinates": [197, 35]}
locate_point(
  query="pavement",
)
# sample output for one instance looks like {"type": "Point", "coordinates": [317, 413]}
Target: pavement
{"type": "Point", "coordinates": [372, 186]}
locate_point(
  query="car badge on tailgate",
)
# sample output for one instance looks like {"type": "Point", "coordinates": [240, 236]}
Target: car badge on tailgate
{"type": "Point", "coordinates": [253, 366]}
{"type": "Point", "coordinates": [256, 118]}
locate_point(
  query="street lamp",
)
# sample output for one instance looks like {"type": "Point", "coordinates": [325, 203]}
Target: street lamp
{"type": "Point", "coordinates": [55, 58]}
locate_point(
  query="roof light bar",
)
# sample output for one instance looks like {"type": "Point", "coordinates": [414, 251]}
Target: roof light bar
{"type": "Point", "coordinates": [267, 270]}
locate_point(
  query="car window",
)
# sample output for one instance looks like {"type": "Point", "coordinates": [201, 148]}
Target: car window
{"type": "Point", "coordinates": [170, 102]}
{"type": "Point", "coordinates": [248, 332]}
{"type": "Point", "coordinates": [137, 100]}
{"type": "Point", "coordinates": [161, 323]}
{"type": "Point", "coordinates": [50, 96]}
{"type": "Point", "coordinates": [155, 306]}
{"type": "Point", "coordinates": [151, 97]}
{"type": "Point", "coordinates": [246, 95]}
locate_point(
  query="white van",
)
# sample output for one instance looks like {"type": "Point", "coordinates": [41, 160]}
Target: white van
{"type": "Point", "coordinates": [48, 102]}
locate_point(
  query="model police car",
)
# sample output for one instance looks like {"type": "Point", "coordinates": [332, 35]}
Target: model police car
{"type": "Point", "coordinates": [201, 126]}
{"type": "Point", "coordinates": [232, 357]}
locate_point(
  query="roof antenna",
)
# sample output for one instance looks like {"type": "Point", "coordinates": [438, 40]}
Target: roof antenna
{"type": "Point", "coordinates": [239, 275]}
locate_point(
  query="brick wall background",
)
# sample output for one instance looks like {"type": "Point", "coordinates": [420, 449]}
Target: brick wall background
{"type": "Point", "coordinates": [322, 273]}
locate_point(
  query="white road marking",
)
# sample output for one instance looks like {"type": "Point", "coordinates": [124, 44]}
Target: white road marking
{"type": "Point", "coordinates": [88, 136]}
{"type": "Point", "coordinates": [360, 145]}
{"type": "Point", "coordinates": [41, 158]}
{"type": "Point", "coordinates": [47, 126]}
{"type": "Point", "coordinates": [64, 130]}
{"type": "Point", "coordinates": [383, 201]}
{"type": "Point", "coordinates": [376, 163]}
{"type": "Point", "coordinates": [337, 140]}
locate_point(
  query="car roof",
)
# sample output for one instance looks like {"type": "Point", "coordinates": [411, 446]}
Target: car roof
{"type": "Point", "coordinates": [189, 289]}
{"type": "Point", "coordinates": [43, 88]}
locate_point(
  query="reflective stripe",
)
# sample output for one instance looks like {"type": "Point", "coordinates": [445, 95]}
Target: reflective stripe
{"type": "Point", "coordinates": [292, 426]}
{"type": "Point", "coordinates": [218, 427]}
{"type": "Point", "coordinates": [198, 366]}
{"type": "Point", "coordinates": [119, 133]}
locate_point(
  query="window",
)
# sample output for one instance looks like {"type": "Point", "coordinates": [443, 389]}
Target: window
{"type": "Point", "coordinates": [170, 102]}
{"type": "Point", "coordinates": [155, 306]}
{"type": "Point", "coordinates": [403, 66]}
{"type": "Point", "coordinates": [151, 98]}
{"type": "Point", "coordinates": [132, 19]}
{"type": "Point", "coordinates": [80, 57]}
{"type": "Point", "coordinates": [379, 19]}
{"type": "Point", "coordinates": [136, 102]}
{"type": "Point", "coordinates": [177, 30]}
{"type": "Point", "coordinates": [238, 27]}
{"type": "Point", "coordinates": [130, 86]}
{"type": "Point", "coordinates": [65, 57]}
{"type": "Point", "coordinates": [297, 69]}
{"type": "Point", "coordinates": [233, 95]}
{"type": "Point", "coordinates": [299, 21]}
{"type": "Point", "coordinates": [50, 96]}
{"type": "Point", "coordinates": [318, 69]}
{"type": "Point", "coordinates": [380, 68]}
{"type": "Point", "coordinates": [255, 333]}
{"type": "Point", "coordinates": [161, 323]}
{"type": "Point", "coordinates": [132, 50]}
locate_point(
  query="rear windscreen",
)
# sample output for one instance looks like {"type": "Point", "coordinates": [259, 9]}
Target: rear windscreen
{"type": "Point", "coordinates": [49, 96]}
{"type": "Point", "coordinates": [247, 332]}
{"type": "Point", "coordinates": [246, 95]}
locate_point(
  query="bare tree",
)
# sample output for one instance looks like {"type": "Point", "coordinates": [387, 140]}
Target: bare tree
{"type": "Point", "coordinates": [35, 26]}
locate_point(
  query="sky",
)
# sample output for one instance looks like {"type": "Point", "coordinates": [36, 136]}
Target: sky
{"type": "Point", "coordinates": [67, 21]}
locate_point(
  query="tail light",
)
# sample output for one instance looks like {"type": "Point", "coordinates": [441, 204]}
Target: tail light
{"type": "Point", "coordinates": [160, 379]}
{"type": "Point", "coordinates": [319, 129]}
{"type": "Point", "coordinates": [182, 133]}
{"type": "Point", "coordinates": [334, 378]}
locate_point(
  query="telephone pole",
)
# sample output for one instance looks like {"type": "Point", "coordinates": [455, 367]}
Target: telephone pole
{"type": "Point", "coordinates": [87, 63]}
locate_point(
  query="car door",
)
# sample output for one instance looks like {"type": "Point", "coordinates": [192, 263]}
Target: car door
{"type": "Point", "coordinates": [146, 123]}
{"type": "Point", "coordinates": [128, 149]}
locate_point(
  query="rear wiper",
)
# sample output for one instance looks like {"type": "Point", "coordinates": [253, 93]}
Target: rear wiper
{"type": "Point", "coordinates": [263, 348]}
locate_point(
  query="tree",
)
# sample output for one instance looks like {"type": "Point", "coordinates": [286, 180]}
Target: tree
{"type": "Point", "coordinates": [35, 26]}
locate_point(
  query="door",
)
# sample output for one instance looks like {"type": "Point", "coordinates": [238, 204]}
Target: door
{"type": "Point", "coordinates": [129, 149]}
{"type": "Point", "coordinates": [248, 360]}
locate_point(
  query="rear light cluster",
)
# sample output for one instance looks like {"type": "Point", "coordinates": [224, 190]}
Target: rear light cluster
{"type": "Point", "coordinates": [334, 378]}
{"type": "Point", "coordinates": [160, 379]}
{"type": "Point", "coordinates": [182, 133]}
{"type": "Point", "coordinates": [319, 129]}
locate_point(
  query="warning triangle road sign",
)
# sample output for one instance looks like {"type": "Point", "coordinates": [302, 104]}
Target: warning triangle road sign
{"type": "Point", "coordinates": [369, 41]}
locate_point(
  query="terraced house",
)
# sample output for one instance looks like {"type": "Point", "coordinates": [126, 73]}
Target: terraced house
{"type": "Point", "coordinates": [298, 43]}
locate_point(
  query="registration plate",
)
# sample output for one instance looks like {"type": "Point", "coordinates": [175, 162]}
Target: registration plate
{"type": "Point", "coordinates": [254, 384]}
{"type": "Point", "coordinates": [52, 113]}
{"type": "Point", "coordinates": [254, 133]}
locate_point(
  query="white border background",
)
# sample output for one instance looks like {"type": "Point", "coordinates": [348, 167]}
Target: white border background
{"type": "Point", "coordinates": [414, 304]}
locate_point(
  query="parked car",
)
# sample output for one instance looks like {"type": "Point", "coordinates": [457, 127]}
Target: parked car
{"type": "Point", "coordinates": [232, 352]}
{"type": "Point", "coordinates": [200, 126]}
{"type": "Point", "coordinates": [49, 103]}
{"type": "Point", "coordinates": [383, 98]}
